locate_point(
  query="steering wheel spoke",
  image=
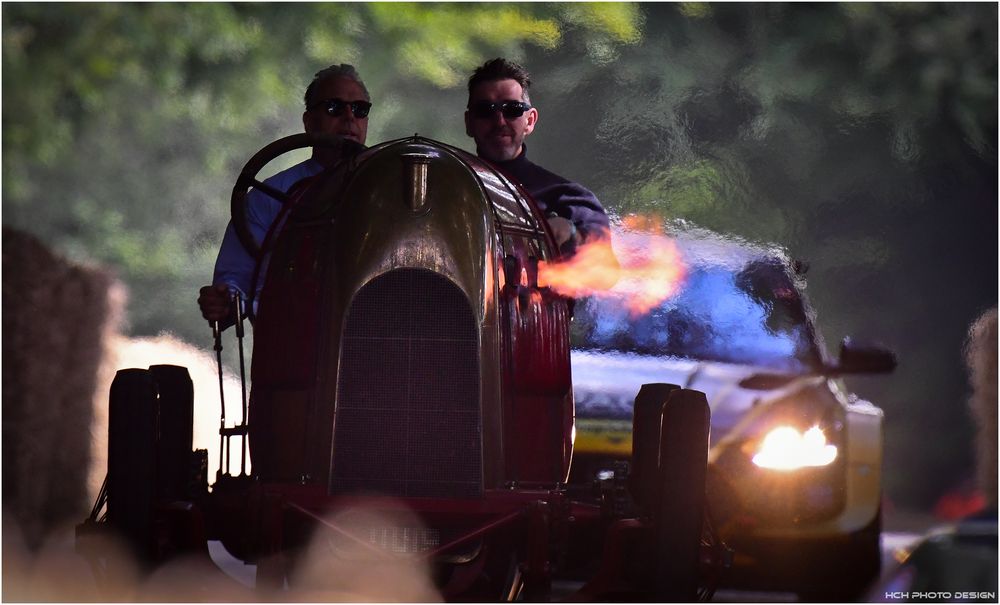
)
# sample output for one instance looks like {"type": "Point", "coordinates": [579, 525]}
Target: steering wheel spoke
{"type": "Point", "coordinates": [277, 194]}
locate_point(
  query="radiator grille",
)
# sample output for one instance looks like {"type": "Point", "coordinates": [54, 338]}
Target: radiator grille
{"type": "Point", "coordinates": [408, 413]}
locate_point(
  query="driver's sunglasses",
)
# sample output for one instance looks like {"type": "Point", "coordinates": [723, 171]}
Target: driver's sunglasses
{"type": "Point", "coordinates": [336, 107]}
{"type": "Point", "coordinates": [510, 109]}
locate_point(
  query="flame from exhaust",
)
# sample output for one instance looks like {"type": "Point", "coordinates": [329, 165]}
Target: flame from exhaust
{"type": "Point", "coordinates": [642, 276]}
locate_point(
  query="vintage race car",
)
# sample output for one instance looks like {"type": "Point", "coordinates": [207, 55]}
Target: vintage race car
{"type": "Point", "coordinates": [409, 365]}
{"type": "Point", "coordinates": [795, 460]}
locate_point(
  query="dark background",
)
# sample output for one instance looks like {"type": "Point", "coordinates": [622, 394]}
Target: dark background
{"type": "Point", "coordinates": [861, 137]}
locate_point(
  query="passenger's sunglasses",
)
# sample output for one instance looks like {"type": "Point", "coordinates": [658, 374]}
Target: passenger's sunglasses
{"type": "Point", "coordinates": [335, 107]}
{"type": "Point", "coordinates": [509, 109]}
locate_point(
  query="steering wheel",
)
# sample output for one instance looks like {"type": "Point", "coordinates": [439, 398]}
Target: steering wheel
{"type": "Point", "coordinates": [248, 177]}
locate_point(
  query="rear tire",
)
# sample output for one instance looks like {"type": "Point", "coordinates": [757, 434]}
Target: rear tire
{"type": "Point", "coordinates": [679, 514]}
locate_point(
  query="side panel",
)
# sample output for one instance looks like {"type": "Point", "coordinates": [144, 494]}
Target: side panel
{"type": "Point", "coordinates": [285, 334]}
{"type": "Point", "coordinates": [286, 354]}
{"type": "Point", "coordinates": [539, 409]}
{"type": "Point", "coordinates": [279, 419]}
{"type": "Point", "coordinates": [864, 468]}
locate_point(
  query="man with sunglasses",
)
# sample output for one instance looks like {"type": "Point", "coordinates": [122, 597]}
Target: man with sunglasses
{"type": "Point", "coordinates": [499, 117]}
{"type": "Point", "coordinates": [337, 103]}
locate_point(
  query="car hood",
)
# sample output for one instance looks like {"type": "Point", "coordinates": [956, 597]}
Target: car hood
{"type": "Point", "coordinates": [605, 385]}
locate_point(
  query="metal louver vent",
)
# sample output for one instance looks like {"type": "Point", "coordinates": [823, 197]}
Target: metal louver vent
{"type": "Point", "coordinates": [408, 413]}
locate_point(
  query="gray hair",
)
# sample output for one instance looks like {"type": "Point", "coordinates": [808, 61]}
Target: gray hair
{"type": "Point", "coordinates": [334, 71]}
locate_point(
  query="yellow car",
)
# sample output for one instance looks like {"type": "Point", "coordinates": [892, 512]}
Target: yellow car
{"type": "Point", "coordinates": [795, 459]}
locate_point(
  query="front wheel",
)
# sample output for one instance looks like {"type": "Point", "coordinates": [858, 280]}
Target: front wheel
{"type": "Point", "coordinates": [150, 421]}
{"type": "Point", "coordinates": [647, 415]}
{"type": "Point", "coordinates": [678, 515]}
{"type": "Point", "coordinates": [132, 437]}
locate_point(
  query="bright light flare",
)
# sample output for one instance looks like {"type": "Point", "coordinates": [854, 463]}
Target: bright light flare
{"type": "Point", "coordinates": [643, 277]}
{"type": "Point", "coordinates": [786, 449]}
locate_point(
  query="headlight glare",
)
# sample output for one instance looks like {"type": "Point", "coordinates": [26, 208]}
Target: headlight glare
{"type": "Point", "coordinates": [786, 449]}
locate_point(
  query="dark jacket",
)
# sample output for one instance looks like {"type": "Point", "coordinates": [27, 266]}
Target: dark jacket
{"type": "Point", "coordinates": [557, 195]}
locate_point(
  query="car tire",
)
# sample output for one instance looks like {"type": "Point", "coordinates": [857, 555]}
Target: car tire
{"type": "Point", "coordinates": [646, 418]}
{"type": "Point", "coordinates": [132, 439]}
{"type": "Point", "coordinates": [864, 551]}
{"type": "Point", "coordinates": [680, 509]}
{"type": "Point", "coordinates": [175, 410]}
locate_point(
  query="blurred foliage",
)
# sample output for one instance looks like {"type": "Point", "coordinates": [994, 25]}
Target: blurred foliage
{"type": "Point", "coordinates": [860, 136]}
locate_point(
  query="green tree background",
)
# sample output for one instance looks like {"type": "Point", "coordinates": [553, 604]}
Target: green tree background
{"type": "Point", "coordinates": [862, 137]}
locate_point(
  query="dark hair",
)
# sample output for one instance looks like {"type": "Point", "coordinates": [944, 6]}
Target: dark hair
{"type": "Point", "coordinates": [334, 71]}
{"type": "Point", "coordinates": [501, 69]}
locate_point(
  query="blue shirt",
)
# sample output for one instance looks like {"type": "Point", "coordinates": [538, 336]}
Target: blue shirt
{"type": "Point", "coordinates": [234, 265]}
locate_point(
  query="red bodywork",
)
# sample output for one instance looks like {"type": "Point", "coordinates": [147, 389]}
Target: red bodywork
{"type": "Point", "coordinates": [291, 411]}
